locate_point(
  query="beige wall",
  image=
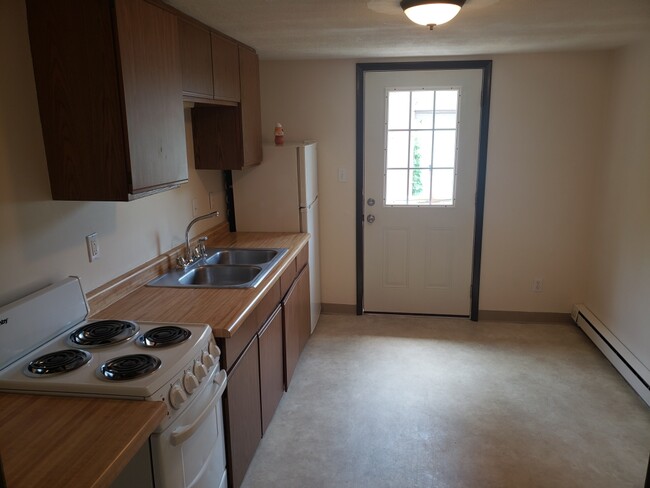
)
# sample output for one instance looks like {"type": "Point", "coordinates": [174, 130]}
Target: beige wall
{"type": "Point", "coordinates": [619, 285]}
{"type": "Point", "coordinates": [41, 240]}
{"type": "Point", "coordinates": [316, 100]}
{"type": "Point", "coordinates": [546, 134]}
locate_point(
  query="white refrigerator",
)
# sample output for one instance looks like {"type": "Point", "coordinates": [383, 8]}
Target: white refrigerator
{"type": "Point", "coordinates": [281, 195]}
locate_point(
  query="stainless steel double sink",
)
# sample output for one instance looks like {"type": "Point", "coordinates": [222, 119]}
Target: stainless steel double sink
{"type": "Point", "coordinates": [224, 268]}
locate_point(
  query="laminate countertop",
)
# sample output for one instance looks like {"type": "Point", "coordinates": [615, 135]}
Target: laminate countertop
{"type": "Point", "coordinates": [86, 442]}
{"type": "Point", "coordinates": [222, 309]}
{"type": "Point", "coordinates": [69, 441]}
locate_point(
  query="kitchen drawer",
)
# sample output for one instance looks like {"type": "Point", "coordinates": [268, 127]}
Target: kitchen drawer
{"type": "Point", "coordinates": [302, 258]}
{"type": "Point", "coordinates": [269, 303]}
{"type": "Point", "coordinates": [287, 277]}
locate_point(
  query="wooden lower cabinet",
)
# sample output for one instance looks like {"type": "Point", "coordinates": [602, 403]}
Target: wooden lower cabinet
{"type": "Point", "coordinates": [297, 322]}
{"type": "Point", "coordinates": [260, 359]}
{"type": "Point", "coordinates": [271, 366]}
{"type": "Point", "coordinates": [242, 411]}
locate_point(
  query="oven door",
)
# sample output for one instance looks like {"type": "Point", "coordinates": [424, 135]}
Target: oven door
{"type": "Point", "coordinates": [191, 452]}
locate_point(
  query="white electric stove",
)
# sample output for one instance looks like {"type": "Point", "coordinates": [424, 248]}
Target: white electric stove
{"type": "Point", "coordinates": [48, 346]}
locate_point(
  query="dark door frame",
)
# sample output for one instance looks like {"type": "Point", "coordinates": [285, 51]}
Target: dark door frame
{"type": "Point", "coordinates": [486, 68]}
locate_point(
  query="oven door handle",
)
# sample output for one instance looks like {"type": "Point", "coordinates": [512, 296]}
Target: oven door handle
{"type": "Point", "coordinates": [181, 434]}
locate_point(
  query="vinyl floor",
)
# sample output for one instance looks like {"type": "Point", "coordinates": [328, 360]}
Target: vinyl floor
{"type": "Point", "coordinates": [398, 401]}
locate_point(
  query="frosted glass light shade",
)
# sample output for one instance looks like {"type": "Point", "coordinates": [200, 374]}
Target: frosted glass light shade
{"type": "Point", "coordinates": [431, 13]}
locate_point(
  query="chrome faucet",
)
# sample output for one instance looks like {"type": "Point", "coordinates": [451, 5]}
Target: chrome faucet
{"type": "Point", "coordinates": [190, 257]}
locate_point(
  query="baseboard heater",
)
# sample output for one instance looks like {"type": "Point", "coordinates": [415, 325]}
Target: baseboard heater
{"type": "Point", "coordinates": [634, 372]}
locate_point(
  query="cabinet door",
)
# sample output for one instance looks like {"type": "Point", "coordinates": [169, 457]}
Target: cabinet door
{"type": "Point", "coordinates": [225, 68]}
{"type": "Point", "coordinates": [271, 366]}
{"type": "Point", "coordinates": [304, 304]}
{"type": "Point", "coordinates": [152, 86]}
{"type": "Point", "coordinates": [80, 105]}
{"type": "Point", "coordinates": [251, 118]}
{"type": "Point", "coordinates": [217, 137]}
{"type": "Point", "coordinates": [196, 59]}
{"type": "Point", "coordinates": [296, 318]}
{"type": "Point", "coordinates": [243, 413]}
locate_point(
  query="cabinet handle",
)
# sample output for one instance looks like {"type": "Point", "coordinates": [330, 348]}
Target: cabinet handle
{"type": "Point", "coordinates": [181, 434]}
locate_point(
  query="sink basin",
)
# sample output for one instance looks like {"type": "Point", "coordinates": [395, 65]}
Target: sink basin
{"type": "Point", "coordinates": [220, 276]}
{"type": "Point", "coordinates": [240, 256]}
{"type": "Point", "coordinates": [224, 268]}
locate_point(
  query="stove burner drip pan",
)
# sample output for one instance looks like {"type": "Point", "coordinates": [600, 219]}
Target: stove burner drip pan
{"type": "Point", "coordinates": [104, 333]}
{"type": "Point", "coordinates": [168, 335]}
{"type": "Point", "coordinates": [129, 367]}
{"type": "Point", "coordinates": [58, 362]}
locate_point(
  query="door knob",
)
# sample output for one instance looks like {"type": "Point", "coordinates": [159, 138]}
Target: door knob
{"type": "Point", "coordinates": [370, 218]}
{"type": "Point", "coordinates": [371, 202]}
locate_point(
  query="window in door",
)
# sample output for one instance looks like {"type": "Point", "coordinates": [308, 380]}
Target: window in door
{"type": "Point", "coordinates": [421, 148]}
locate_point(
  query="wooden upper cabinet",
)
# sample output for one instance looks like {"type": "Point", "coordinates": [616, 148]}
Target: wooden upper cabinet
{"type": "Point", "coordinates": [217, 137]}
{"type": "Point", "coordinates": [152, 83]}
{"type": "Point", "coordinates": [229, 137]}
{"type": "Point", "coordinates": [108, 80]}
{"type": "Point", "coordinates": [225, 68]}
{"type": "Point", "coordinates": [196, 59]}
{"type": "Point", "coordinates": [251, 113]}
{"type": "Point", "coordinates": [210, 63]}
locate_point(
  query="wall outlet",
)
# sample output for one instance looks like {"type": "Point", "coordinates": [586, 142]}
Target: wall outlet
{"type": "Point", "coordinates": [538, 285]}
{"type": "Point", "coordinates": [213, 200]}
{"type": "Point", "coordinates": [93, 247]}
{"type": "Point", "coordinates": [343, 175]}
{"type": "Point", "coordinates": [195, 207]}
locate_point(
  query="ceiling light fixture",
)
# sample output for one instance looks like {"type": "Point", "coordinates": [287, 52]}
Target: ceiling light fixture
{"type": "Point", "coordinates": [431, 12]}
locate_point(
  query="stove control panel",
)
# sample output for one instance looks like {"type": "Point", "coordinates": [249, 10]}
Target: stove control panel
{"type": "Point", "coordinates": [189, 380]}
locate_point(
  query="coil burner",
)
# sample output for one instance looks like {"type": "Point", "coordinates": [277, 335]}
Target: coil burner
{"type": "Point", "coordinates": [104, 333]}
{"type": "Point", "coordinates": [58, 362]}
{"type": "Point", "coordinates": [168, 335]}
{"type": "Point", "coordinates": [129, 367]}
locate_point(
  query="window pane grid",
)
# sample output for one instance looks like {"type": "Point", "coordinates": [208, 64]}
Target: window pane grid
{"type": "Point", "coordinates": [421, 147]}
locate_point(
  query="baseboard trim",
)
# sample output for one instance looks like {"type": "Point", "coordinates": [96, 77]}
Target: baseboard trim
{"type": "Point", "coordinates": [633, 370]}
{"type": "Point", "coordinates": [338, 309]}
{"type": "Point", "coordinates": [525, 317]}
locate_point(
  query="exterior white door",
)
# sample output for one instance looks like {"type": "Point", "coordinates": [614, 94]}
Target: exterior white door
{"type": "Point", "coordinates": [421, 146]}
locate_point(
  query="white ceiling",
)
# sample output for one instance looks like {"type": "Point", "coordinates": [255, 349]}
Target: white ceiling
{"type": "Point", "coordinates": [317, 29]}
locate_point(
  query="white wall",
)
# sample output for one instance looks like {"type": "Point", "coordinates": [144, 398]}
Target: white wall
{"type": "Point", "coordinates": [546, 133]}
{"type": "Point", "coordinates": [619, 285]}
{"type": "Point", "coordinates": [41, 240]}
